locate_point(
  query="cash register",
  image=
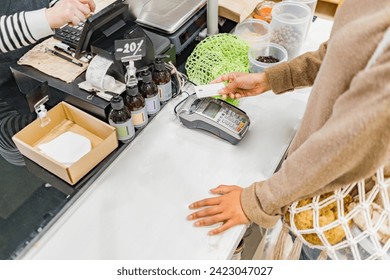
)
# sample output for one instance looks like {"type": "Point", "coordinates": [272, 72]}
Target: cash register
{"type": "Point", "coordinates": [102, 24]}
{"type": "Point", "coordinates": [97, 36]}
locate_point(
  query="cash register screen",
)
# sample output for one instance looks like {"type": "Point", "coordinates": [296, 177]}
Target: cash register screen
{"type": "Point", "coordinates": [212, 109]}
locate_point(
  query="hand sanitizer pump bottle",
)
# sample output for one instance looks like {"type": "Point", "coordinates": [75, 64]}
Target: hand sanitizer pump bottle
{"type": "Point", "coordinates": [136, 104]}
{"type": "Point", "coordinates": [149, 91]}
{"type": "Point", "coordinates": [120, 118]}
{"type": "Point", "coordinates": [134, 100]}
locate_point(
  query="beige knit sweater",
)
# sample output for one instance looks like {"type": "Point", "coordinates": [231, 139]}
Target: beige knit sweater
{"type": "Point", "coordinates": [345, 132]}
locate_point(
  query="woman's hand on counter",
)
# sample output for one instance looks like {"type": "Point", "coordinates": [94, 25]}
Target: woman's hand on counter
{"type": "Point", "coordinates": [225, 208]}
{"type": "Point", "coordinates": [243, 84]}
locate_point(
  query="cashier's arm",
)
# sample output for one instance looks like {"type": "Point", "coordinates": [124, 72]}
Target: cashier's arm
{"type": "Point", "coordinates": [25, 28]}
{"type": "Point", "coordinates": [225, 208]}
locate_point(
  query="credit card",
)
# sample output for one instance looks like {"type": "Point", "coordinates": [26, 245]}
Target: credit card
{"type": "Point", "coordinates": [208, 90]}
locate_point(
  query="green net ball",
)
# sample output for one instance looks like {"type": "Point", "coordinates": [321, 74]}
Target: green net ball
{"type": "Point", "coordinates": [215, 56]}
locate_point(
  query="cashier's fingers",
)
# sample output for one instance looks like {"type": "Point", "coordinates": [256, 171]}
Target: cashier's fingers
{"type": "Point", "coordinates": [77, 18]}
{"type": "Point", "coordinates": [67, 11]}
{"type": "Point", "coordinates": [71, 6]}
{"type": "Point", "coordinates": [90, 3]}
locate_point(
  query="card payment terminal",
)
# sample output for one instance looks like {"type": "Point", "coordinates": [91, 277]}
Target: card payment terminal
{"type": "Point", "coordinates": [215, 116]}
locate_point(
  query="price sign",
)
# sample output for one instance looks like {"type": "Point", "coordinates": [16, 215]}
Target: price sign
{"type": "Point", "coordinates": [130, 48]}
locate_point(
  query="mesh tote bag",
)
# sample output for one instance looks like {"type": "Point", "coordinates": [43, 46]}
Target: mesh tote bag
{"type": "Point", "coordinates": [349, 223]}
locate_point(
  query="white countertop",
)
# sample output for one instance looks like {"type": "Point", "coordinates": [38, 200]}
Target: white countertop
{"type": "Point", "coordinates": [137, 208]}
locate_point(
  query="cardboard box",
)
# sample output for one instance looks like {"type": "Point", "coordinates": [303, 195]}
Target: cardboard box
{"type": "Point", "coordinates": [236, 11]}
{"type": "Point", "coordinates": [65, 117]}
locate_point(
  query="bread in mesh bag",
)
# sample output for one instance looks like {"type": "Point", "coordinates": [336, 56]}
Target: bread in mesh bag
{"type": "Point", "coordinates": [327, 214]}
{"type": "Point", "coordinates": [375, 213]}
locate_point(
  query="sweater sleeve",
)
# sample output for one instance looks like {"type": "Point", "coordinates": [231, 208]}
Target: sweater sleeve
{"type": "Point", "coordinates": [299, 72]}
{"type": "Point", "coordinates": [53, 2]}
{"type": "Point", "coordinates": [350, 146]}
{"type": "Point", "coordinates": [22, 29]}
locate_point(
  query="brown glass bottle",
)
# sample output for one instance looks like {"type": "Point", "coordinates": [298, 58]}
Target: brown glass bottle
{"type": "Point", "coordinates": [120, 118]}
{"type": "Point", "coordinates": [162, 79]}
{"type": "Point", "coordinates": [136, 104]}
{"type": "Point", "coordinates": [149, 91]}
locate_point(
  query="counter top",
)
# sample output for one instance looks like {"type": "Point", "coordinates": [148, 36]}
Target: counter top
{"type": "Point", "coordinates": [137, 208]}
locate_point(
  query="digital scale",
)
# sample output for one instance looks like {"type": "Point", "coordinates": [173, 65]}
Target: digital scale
{"type": "Point", "coordinates": [179, 21]}
{"type": "Point", "coordinates": [215, 116]}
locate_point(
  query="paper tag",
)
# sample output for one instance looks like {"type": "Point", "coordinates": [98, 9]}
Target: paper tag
{"type": "Point", "coordinates": [132, 48]}
{"type": "Point", "coordinates": [97, 70]}
{"type": "Point", "coordinates": [208, 90]}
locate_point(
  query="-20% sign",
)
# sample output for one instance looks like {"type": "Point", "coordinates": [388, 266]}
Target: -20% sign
{"type": "Point", "coordinates": [130, 48]}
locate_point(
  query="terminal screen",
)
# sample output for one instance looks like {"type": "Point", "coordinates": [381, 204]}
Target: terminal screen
{"type": "Point", "coordinates": [212, 110]}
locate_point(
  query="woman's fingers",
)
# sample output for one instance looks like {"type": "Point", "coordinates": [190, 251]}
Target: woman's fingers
{"type": "Point", "coordinates": [220, 79]}
{"type": "Point", "coordinates": [224, 189]}
{"type": "Point", "coordinates": [238, 85]}
{"type": "Point", "coordinates": [207, 218]}
{"type": "Point", "coordinates": [205, 202]}
{"type": "Point", "coordinates": [224, 78]}
{"type": "Point", "coordinates": [210, 220]}
{"type": "Point", "coordinates": [221, 189]}
{"type": "Point", "coordinates": [222, 228]}
{"type": "Point", "coordinates": [233, 89]}
{"type": "Point", "coordinates": [210, 211]}
{"type": "Point", "coordinates": [225, 209]}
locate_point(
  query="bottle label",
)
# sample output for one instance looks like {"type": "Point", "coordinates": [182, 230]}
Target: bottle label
{"type": "Point", "coordinates": [165, 91]}
{"type": "Point", "coordinates": [152, 105]}
{"type": "Point", "coordinates": [125, 131]}
{"type": "Point", "coordinates": [139, 117]}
